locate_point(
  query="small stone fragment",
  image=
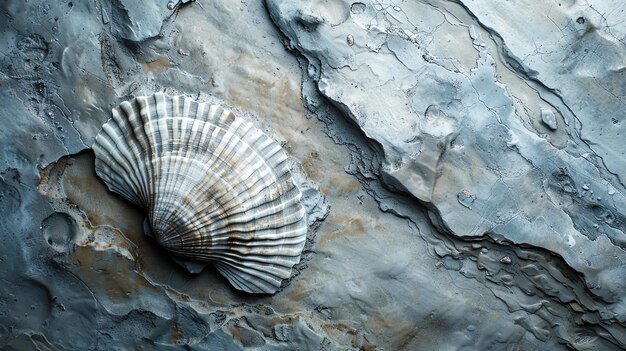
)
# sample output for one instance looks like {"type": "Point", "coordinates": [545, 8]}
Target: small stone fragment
{"type": "Point", "coordinates": [357, 8]}
{"type": "Point", "coordinates": [472, 32]}
{"type": "Point", "coordinates": [350, 39]}
{"type": "Point", "coordinates": [466, 198]}
{"type": "Point", "coordinates": [548, 118]}
{"type": "Point", "coordinates": [585, 187]}
{"type": "Point", "coordinates": [283, 332]}
{"type": "Point", "coordinates": [505, 260]}
{"type": "Point", "coordinates": [170, 5]}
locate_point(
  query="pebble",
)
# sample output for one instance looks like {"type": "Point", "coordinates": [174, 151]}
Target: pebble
{"type": "Point", "coordinates": [505, 260]}
{"type": "Point", "coordinates": [548, 118]}
{"type": "Point", "coordinates": [466, 198]}
{"type": "Point", "coordinates": [350, 39]}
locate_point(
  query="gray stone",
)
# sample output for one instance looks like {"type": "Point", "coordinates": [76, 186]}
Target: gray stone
{"type": "Point", "coordinates": [548, 118]}
{"type": "Point", "coordinates": [445, 210]}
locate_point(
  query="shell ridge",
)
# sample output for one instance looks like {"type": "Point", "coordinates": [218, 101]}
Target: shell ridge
{"type": "Point", "coordinates": [114, 186]}
{"type": "Point", "coordinates": [232, 278]}
{"type": "Point", "coordinates": [183, 150]}
{"type": "Point", "coordinates": [262, 198]}
{"type": "Point", "coordinates": [183, 167]}
{"type": "Point", "coordinates": [264, 280]}
{"type": "Point", "coordinates": [115, 167]}
{"type": "Point", "coordinates": [174, 163]}
{"type": "Point", "coordinates": [262, 209]}
{"type": "Point", "coordinates": [269, 279]}
{"type": "Point", "coordinates": [164, 106]}
{"type": "Point", "coordinates": [268, 218]}
{"type": "Point", "coordinates": [217, 189]}
{"type": "Point", "coordinates": [134, 152]}
{"type": "Point", "coordinates": [269, 199]}
{"type": "Point", "coordinates": [175, 160]}
{"type": "Point", "coordinates": [157, 121]}
{"type": "Point", "coordinates": [290, 231]}
{"type": "Point", "coordinates": [253, 222]}
{"type": "Point", "coordinates": [261, 252]}
{"type": "Point", "coordinates": [141, 141]}
{"type": "Point", "coordinates": [137, 112]}
{"type": "Point", "coordinates": [291, 234]}
{"type": "Point", "coordinates": [223, 186]}
{"type": "Point", "coordinates": [252, 136]}
{"type": "Point", "coordinates": [253, 242]}
{"type": "Point", "coordinates": [214, 177]}
{"type": "Point", "coordinates": [118, 132]}
{"type": "Point", "coordinates": [261, 178]}
{"type": "Point", "coordinates": [260, 189]}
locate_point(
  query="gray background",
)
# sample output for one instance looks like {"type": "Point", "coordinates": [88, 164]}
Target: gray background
{"type": "Point", "coordinates": [463, 166]}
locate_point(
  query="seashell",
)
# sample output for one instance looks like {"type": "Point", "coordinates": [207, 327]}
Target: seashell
{"type": "Point", "coordinates": [216, 189]}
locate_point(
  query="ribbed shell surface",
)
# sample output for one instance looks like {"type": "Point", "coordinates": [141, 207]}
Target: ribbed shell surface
{"type": "Point", "coordinates": [215, 188]}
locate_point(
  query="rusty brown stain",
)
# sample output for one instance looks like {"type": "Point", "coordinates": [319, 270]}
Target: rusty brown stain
{"type": "Point", "coordinates": [277, 98]}
{"type": "Point", "coordinates": [234, 58]}
{"type": "Point", "coordinates": [44, 173]}
{"type": "Point", "coordinates": [111, 277]}
{"type": "Point", "coordinates": [263, 83]}
{"type": "Point", "coordinates": [72, 182]}
{"type": "Point", "coordinates": [342, 225]}
{"type": "Point", "coordinates": [343, 331]}
{"type": "Point", "coordinates": [107, 273]}
{"type": "Point", "coordinates": [293, 297]}
{"type": "Point", "coordinates": [85, 190]}
{"type": "Point", "coordinates": [401, 332]}
{"type": "Point", "coordinates": [325, 190]}
{"type": "Point", "coordinates": [51, 175]}
{"type": "Point", "coordinates": [336, 183]}
{"type": "Point", "coordinates": [286, 319]}
{"type": "Point", "coordinates": [311, 167]}
{"type": "Point", "coordinates": [159, 65]}
{"type": "Point", "coordinates": [176, 333]}
{"type": "Point", "coordinates": [186, 201]}
{"type": "Point", "coordinates": [344, 185]}
{"type": "Point", "coordinates": [234, 331]}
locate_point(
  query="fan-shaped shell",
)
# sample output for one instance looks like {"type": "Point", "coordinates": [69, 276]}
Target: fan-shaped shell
{"type": "Point", "coordinates": [215, 188]}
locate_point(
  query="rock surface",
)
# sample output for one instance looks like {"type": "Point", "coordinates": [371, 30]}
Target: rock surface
{"type": "Point", "coordinates": [462, 165]}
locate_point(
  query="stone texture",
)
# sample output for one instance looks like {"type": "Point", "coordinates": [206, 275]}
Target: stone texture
{"type": "Point", "coordinates": [446, 212]}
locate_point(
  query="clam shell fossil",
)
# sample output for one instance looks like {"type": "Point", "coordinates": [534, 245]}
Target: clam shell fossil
{"type": "Point", "coordinates": [216, 189]}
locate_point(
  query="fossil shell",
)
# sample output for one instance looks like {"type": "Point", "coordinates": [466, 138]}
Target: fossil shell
{"type": "Point", "coordinates": [215, 188]}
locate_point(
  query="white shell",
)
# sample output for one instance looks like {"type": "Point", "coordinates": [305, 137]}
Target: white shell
{"type": "Point", "coordinates": [215, 188]}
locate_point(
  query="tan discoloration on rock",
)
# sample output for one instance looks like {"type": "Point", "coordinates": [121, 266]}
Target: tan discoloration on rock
{"type": "Point", "coordinates": [159, 65]}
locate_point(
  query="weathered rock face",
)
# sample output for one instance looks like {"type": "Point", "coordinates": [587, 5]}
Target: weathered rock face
{"type": "Point", "coordinates": [473, 132]}
{"type": "Point", "coordinates": [462, 166]}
